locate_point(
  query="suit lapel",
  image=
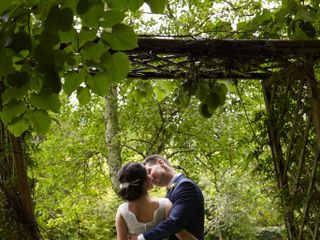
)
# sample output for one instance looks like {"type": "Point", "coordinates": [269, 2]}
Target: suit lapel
{"type": "Point", "coordinates": [171, 191]}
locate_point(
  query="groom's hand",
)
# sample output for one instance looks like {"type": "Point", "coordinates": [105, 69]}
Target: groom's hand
{"type": "Point", "coordinates": [132, 237]}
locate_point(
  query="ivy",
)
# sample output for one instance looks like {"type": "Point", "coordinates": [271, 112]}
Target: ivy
{"type": "Point", "coordinates": [83, 95]}
{"type": "Point", "coordinates": [12, 110]}
{"type": "Point", "coordinates": [122, 38]}
{"type": "Point", "coordinates": [47, 46]}
{"type": "Point", "coordinates": [99, 83]}
{"type": "Point", "coordinates": [73, 81]}
{"type": "Point", "coordinates": [46, 102]}
{"type": "Point", "coordinates": [112, 17]}
{"type": "Point", "coordinates": [40, 120]}
{"type": "Point", "coordinates": [157, 6]}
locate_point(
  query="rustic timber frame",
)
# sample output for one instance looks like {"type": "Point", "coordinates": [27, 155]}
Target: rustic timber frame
{"type": "Point", "coordinates": [286, 69]}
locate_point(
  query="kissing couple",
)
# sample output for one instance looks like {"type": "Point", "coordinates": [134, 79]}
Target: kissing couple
{"type": "Point", "coordinates": [142, 217]}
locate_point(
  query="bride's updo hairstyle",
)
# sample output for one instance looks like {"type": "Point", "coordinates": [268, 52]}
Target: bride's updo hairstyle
{"type": "Point", "coordinates": [132, 177]}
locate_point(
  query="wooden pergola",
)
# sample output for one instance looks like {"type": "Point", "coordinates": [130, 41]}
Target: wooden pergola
{"type": "Point", "coordinates": [286, 69]}
{"type": "Point", "coordinates": [216, 59]}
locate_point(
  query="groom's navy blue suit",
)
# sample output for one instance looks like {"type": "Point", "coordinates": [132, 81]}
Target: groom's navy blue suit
{"type": "Point", "coordinates": [187, 212]}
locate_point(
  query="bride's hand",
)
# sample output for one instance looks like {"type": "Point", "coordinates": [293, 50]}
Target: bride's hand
{"type": "Point", "coordinates": [132, 237]}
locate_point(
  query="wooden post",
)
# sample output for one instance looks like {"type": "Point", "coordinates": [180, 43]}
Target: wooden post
{"type": "Point", "coordinates": [314, 95]}
{"type": "Point", "coordinates": [278, 159]}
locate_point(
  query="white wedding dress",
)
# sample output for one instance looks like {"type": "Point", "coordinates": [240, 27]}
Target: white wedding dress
{"type": "Point", "coordinates": [136, 227]}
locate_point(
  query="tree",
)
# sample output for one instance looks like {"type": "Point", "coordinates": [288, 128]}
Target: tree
{"type": "Point", "coordinates": [47, 46]}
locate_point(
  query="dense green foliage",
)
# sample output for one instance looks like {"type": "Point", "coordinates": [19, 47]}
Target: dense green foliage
{"type": "Point", "coordinates": [43, 54]}
{"type": "Point", "coordinates": [47, 46]}
{"type": "Point", "coordinates": [73, 194]}
{"type": "Point", "coordinates": [56, 50]}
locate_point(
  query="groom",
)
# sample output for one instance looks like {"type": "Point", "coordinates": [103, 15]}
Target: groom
{"type": "Point", "coordinates": [188, 204]}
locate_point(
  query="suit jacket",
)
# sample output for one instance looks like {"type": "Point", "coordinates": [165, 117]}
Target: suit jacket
{"type": "Point", "coordinates": [187, 212]}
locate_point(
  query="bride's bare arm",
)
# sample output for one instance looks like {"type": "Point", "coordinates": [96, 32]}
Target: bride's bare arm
{"type": "Point", "coordinates": [122, 229]}
{"type": "Point", "coordinates": [185, 235]}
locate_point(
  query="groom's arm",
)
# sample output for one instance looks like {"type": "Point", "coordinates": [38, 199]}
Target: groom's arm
{"type": "Point", "coordinates": [181, 213]}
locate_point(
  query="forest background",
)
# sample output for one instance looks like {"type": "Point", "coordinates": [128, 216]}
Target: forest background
{"type": "Point", "coordinates": [78, 133]}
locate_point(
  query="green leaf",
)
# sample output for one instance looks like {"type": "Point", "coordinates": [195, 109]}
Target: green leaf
{"type": "Point", "coordinates": [138, 95]}
{"type": "Point", "coordinates": [261, 18]}
{"type": "Point", "coordinates": [13, 93]}
{"type": "Point", "coordinates": [52, 21]}
{"type": "Point", "coordinates": [4, 5]}
{"type": "Point", "coordinates": [48, 102]}
{"type": "Point", "coordinates": [12, 110]}
{"type": "Point", "coordinates": [99, 83]}
{"type": "Point", "coordinates": [83, 95]}
{"type": "Point", "coordinates": [117, 65]}
{"type": "Point", "coordinates": [92, 16]}
{"type": "Point", "coordinates": [44, 57]}
{"type": "Point", "coordinates": [205, 111]}
{"type": "Point", "coordinates": [66, 19]}
{"type": "Point", "coordinates": [72, 81]}
{"type": "Point", "coordinates": [59, 19]}
{"type": "Point", "coordinates": [222, 91]}
{"type": "Point", "coordinates": [70, 4]}
{"type": "Point", "coordinates": [6, 63]}
{"type": "Point", "coordinates": [49, 39]}
{"type": "Point", "coordinates": [222, 26]}
{"type": "Point", "coordinates": [112, 17]}
{"type": "Point", "coordinates": [122, 37]}
{"type": "Point", "coordinates": [304, 15]}
{"type": "Point", "coordinates": [17, 79]}
{"type": "Point", "coordinates": [298, 32]}
{"type": "Point", "coordinates": [18, 127]}
{"type": "Point", "coordinates": [145, 87]}
{"type": "Point", "coordinates": [212, 101]}
{"type": "Point", "coordinates": [70, 38]}
{"type": "Point", "coordinates": [160, 93]}
{"type": "Point", "coordinates": [166, 85]}
{"type": "Point", "coordinates": [134, 5]}
{"type": "Point", "coordinates": [35, 83]}
{"type": "Point", "coordinates": [19, 41]}
{"type": "Point", "coordinates": [61, 58]}
{"type": "Point", "coordinates": [157, 6]}
{"type": "Point", "coordinates": [308, 29]}
{"type": "Point", "coordinates": [92, 51]}
{"type": "Point", "coordinates": [202, 91]}
{"type": "Point", "coordinates": [40, 120]}
{"type": "Point", "coordinates": [86, 35]}
{"type": "Point", "coordinates": [84, 6]}
{"type": "Point", "coordinates": [52, 83]}
{"type": "Point", "coordinates": [118, 4]}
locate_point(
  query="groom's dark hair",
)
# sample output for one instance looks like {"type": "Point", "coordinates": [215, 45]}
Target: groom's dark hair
{"type": "Point", "coordinates": [152, 159]}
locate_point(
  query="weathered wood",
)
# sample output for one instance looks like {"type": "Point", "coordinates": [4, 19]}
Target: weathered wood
{"type": "Point", "coordinates": [253, 49]}
{"type": "Point", "coordinates": [168, 58]}
{"type": "Point", "coordinates": [278, 159]}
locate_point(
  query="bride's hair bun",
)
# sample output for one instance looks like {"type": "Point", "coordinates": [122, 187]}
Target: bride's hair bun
{"type": "Point", "coordinates": [132, 177]}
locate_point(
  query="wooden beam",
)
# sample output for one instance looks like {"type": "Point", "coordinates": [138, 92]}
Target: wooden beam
{"type": "Point", "coordinates": [229, 47]}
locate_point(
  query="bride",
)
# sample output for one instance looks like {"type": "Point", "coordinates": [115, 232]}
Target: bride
{"type": "Point", "coordinates": [140, 212]}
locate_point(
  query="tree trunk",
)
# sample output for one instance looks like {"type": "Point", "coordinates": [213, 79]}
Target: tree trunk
{"type": "Point", "coordinates": [16, 206]}
{"type": "Point", "coordinates": [112, 136]}
{"type": "Point", "coordinates": [15, 192]}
